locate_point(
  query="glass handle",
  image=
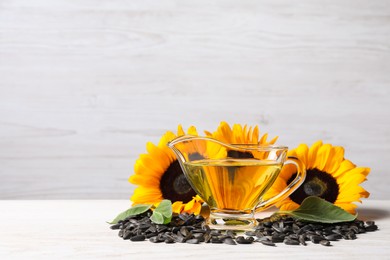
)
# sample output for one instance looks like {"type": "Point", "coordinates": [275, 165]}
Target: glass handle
{"type": "Point", "coordinates": [299, 179]}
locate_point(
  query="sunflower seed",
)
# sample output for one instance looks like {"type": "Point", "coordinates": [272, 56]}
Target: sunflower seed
{"type": "Point", "coordinates": [116, 226]}
{"type": "Point", "coordinates": [229, 241]}
{"type": "Point", "coordinates": [193, 229]}
{"type": "Point", "coordinates": [216, 240]}
{"type": "Point", "coordinates": [138, 238]}
{"type": "Point", "coordinates": [155, 240]}
{"type": "Point", "coordinates": [371, 228]}
{"type": "Point", "coordinates": [316, 239]}
{"type": "Point", "coordinates": [207, 237]}
{"type": "Point", "coordinates": [277, 238]}
{"type": "Point", "coordinates": [302, 239]}
{"type": "Point", "coordinates": [291, 242]}
{"type": "Point", "coordinates": [267, 243]}
{"type": "Point", "coordinates": [243, 240]}
{"type": "Point", "coordinates": [325, 242]}
{"type": "Point", "coordinates": [333, 237]}
{"type": "Point", "coordinates": [127, 234]}
{"type": "Point", "coordinates": [193, 241]}
{"type": "Point", "coordinates": [250, 233]}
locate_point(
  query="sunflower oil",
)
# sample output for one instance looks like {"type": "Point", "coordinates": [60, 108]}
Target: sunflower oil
{"type": "Point", "coordinates": [235, 185]}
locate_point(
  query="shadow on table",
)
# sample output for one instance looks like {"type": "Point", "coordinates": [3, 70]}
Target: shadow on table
{"type": "Point", "coordinates": [372, 214]}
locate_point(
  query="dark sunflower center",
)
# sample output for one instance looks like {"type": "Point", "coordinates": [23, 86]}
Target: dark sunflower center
{"type": "Point", "coordinates": [239, 155]}
{"type": "Point", "coordinates": [317, 183]}
{"type": "Point", "coordinates": [174, 186]}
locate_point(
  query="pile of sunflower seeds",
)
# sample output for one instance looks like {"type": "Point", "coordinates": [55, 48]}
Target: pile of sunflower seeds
{"type": "Point", "coordinates": [191, 229]}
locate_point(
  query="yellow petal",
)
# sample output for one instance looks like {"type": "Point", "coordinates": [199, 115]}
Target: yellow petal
{"type": "Point", "coordinates": [322, 157]}
{"type": "Point", "coordinates": [337, 156]}
{"type": "Point", "coordinates": [345, 166]}
{"type": "Point", "coordinates": [302, 152]}
{"type": "Point", "coordinates": [144, 181]}
{"type": "Point", "coordinates": [143, 195]}
{"type": "Point", "coordinates": [287, 204]}
{"type": "Point", "coordinates": [313, 154]}
{"type": "Point", "coordinates": [255, 135]}
{"type": "Point", "coordinates": [274, 140]}
{"type": "Point", "coordinates": [192, 131]}
{"type": "Point", "coordinates": [166, 138]}
{"type": "Point", "coordinates": [180, 131]}
{"type": "Point", "coordinates": [263, 139]}
{"type": "Point", "coordinates": [157, 152]}
{"type": "Point", "coordinates": [177, 207]}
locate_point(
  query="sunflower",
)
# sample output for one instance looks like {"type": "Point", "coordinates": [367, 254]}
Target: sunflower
{"type": "Point", "coordinates": [329, 176]}
{"type": "Point", "coordinates": [159, 176]}
{"type": "Point", "coordinates": [239, 134]}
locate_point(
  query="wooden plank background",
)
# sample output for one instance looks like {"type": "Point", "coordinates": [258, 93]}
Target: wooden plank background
{"type": "Point", "coordinates": [85, 84]}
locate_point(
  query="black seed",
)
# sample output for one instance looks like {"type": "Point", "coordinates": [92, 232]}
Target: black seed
{"type": "Point", "coordinates": [155, 240]}
{"type": "Point", "coordinates": [198, 236]}
{"type": "Point", "coordinates": [127, 234]}
{"type": "Point", "coordinates": [200, 231]}
{"type": "Point", "coordinates": [277, 238]}
{"type": "Point", "coordinates": [370, 222]}
{"type": "Point", "coordinates": [169, 240]}
{"type": "Point", "coordinates": [277, 228]}
{"type": "Point", "coordinates": [302, 239]}
{"type": "Point", "coordinates": [325, 242]}
{"type": "Point", "coordinates": [333, 237]}
{"type": "Point", "coordinates": [250, 233]}
{"type": "Point", "coordinates": [295, 227]}
{"type": "Point", "coordinates": [215, 233]}
{"type": "Point", "coordinates": [267, 243]}
{"type": "Point", "coordinates": [120, 233]}
{"type": "Point", "coordinates": [161, 228]}
{"type": "Point", "coordinates": [138, 238]}
{"type": "Point", "coordinates": [151, 235]}
{"type": "Point", "coordinates": [193, 241]}
{"type": "Point", "coordinates": [152, 229]}
{"type": "Point", "coordinates": [206, 227]}
{"type": "Point", "coordinates": [243, 240]}
{"type": "Point", "coordinates": [337, 231]}
{"type": "Point", "coordinates": [263, 239]}
{"type": "Point", "coordinates": [371, 228]}
{"type": "Point", "coordinates": [207, 238]}
{"type": "Point", "coordinates": [231, 234]}
{"type": "Point", "coordinates": [361, 230]}
{"type": "Point", "coordinates": [259, 234]}
{"type": "Point", "coordinates": [303, 229]}
{"type": "Point", "coordinates": [229, 241]}
{"type": "Point", "coordinates": [179, 238]}
{"type": "Point", "coordinates": [316, 239]}
{"type": "Point", "coordinates": [216, 240]}
{"type": "Point", "coordinates": [116, 226]}
{"type": "Point", "coordinates": [267, 224]}
{"type": "Point", "coordinates": [291, 242]}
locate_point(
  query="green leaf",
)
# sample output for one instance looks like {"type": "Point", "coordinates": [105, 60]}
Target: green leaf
{"type": "Point", "coordinates": [133, 211]}
{"type": "Point", "coordinates": [163, 213]}
{"type": "Point", "coordinates": [165, 208]}
{"type": "Point", "coordinates": [157, 217]}
{"type": "Point", "coordinates": [316, 209]}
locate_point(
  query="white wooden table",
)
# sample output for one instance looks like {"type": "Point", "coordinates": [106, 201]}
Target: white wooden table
{"type": "Point", "coordinates": [76, 229]}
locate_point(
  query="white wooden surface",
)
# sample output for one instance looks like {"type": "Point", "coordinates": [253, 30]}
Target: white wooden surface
{"type": "Point", "coordinates": [76, 229]}
{"type": "Point", "coordinates": [85, 84]}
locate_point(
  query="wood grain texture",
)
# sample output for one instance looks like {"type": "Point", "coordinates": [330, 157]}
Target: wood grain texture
{"type": "Point", "coordinates": [85, 84]}
{"type": "Point", "coordinates": [76, 229]}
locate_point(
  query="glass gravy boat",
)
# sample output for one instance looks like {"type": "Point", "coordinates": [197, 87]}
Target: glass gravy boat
{"type": "Point", "coordinates": [233, 178]}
